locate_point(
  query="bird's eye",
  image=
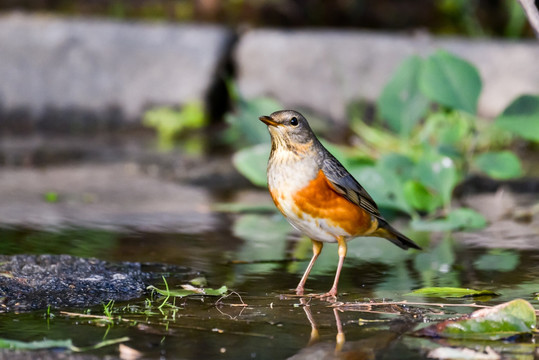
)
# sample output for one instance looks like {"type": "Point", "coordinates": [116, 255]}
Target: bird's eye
{"type": "Point", "coordinates": [294, 121]}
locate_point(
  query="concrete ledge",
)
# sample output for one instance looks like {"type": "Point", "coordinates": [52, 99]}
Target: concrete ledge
{"type": "Point", "coordinates": [104, 68]}
{"type": "Point", "coordinates": [325, 70]}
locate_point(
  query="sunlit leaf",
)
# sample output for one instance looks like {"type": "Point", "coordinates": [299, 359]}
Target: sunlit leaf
{"type": "Point", "coordinates": [506, 320]}
{"type": "Point", "coordinates": [450, 292]}
{"type": "Point", "coordinates": [401, 103]}
{"type": "Point", "coordinates": [521, 117]}
{"type": "Point", "coordinates": [252, 163]}
{"type": "Point", "coordinates": [189, 291]}
{"type": "Point", "coordinates": [458, 219]}
{"type": "Point", "coordinates": [499, 165]}
{"type": "Point", "coordinates": [450, 81]}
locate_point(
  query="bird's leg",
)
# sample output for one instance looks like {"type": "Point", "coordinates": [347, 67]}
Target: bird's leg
{"type": "Point", "coordinates": [317, 249]}
{"type": "Point", "coordinates": [340, 333]}
{"type": "Point", "coordinates": [342, 254]}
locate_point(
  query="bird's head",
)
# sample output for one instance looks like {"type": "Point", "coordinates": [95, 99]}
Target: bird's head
{"type": "Point", "coordinates": [289, 128]}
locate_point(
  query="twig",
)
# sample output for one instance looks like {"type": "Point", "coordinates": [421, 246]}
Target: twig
{"type": "Point", "coordinates": [532, 14]}
{"type": "Point", "coordinates": [352, 305]}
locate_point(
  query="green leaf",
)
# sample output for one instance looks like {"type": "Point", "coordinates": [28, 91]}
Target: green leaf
{"type": "Point", "coordinates": [190, 290]}
{"type": "Point", "coordinates": [450, 81]}
{"type": "Point", "coordinates": [402, 165]}
{"type": "Point", "coordinates": [418, 196]}
{"type": "Point", "coordinates": [451, 292]}
{"type": "Point", "coordinates": [521, 117]}
{"type": "Point", "coordinates": [401, 103]}
{"type": "Point", "coordinates": [499, 165]}
{"type": "Point", "coordinates": [252, 163]}
{"type": "Point", "coordinates": [506, 320]}
{"type": "Point", "coordinates": [384, 187]}
{"type": "Point", "coordinates": [458, 219]}
{"type": "Point", "coordinates": [440, 174]}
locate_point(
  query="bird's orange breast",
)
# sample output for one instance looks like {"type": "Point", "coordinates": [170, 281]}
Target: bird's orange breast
{"type": "Point", "coordinates": [319, 200]}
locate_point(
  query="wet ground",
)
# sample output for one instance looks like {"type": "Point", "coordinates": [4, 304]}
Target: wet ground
{"type": "Point", "coordinates": [257, 320]}
{"type": "Point", "coordinates": [260, 262]}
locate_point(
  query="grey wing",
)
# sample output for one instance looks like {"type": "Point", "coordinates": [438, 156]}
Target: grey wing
{"type": "Point", "coordinates": [346, 185]}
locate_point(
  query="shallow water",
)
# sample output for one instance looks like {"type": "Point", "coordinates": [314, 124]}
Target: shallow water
{"type": "Point", "coordinates": [255, 259]}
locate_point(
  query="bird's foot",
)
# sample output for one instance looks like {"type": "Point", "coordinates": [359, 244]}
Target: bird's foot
{"type": "Point", "coordinates": [330, 296]}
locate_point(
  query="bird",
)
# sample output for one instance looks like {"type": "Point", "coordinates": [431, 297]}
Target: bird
{"type": "Point", "coordinates": [317, 195]}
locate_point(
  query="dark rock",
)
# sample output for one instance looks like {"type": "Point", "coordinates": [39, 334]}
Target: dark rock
{"type": "Point", "coordinates": [30, 282]}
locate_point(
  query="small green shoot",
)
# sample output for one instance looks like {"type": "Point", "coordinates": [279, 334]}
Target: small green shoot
{"type": "Point", "coordinates": [108, 309]}
{"type": "Point", "coordinates": [188, 290]}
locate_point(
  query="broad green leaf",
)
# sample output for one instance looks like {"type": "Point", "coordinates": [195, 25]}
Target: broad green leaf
{"type": "Point", "coordinates": [458, 219]}
{"type": "Point", "coordinates": [402, 165]}
{"type": "Point", "coordinates": [252, 163]}
{"type": "Point", "coordinates": [401, 103]}
{"type": "Point", "coordinates": [521, 117]}
{"type": "Point", "coordinates": [443, 128]}
{"type": "Point", "coordinates": [450, 292]}
{"type": "Point", "coordinates": [497, 260]}
{"type": "Point", "coordinates": [506, 320]}
{"type": "Point", "coordinates": [450, 81]}
{"type": "Point", "coordinates": [440, 174]}
{"type": "Point", "coordinates": [189, 290]}
{"type": "Point", "coordinates": [499, 165]}
{"type": "Point", "coordinates": [384, 187]}
{"type": "Point", "coordinates": [245, 127]}
{"type": "Point", "coordinates": [418, 196]}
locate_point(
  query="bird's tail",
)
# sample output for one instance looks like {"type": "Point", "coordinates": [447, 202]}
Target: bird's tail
{"type": "Point", "coordinates": [389, 232]}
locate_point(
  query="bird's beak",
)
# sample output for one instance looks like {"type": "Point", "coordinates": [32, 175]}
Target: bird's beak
{"type": "Point", "coordinates": [268, 120]}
